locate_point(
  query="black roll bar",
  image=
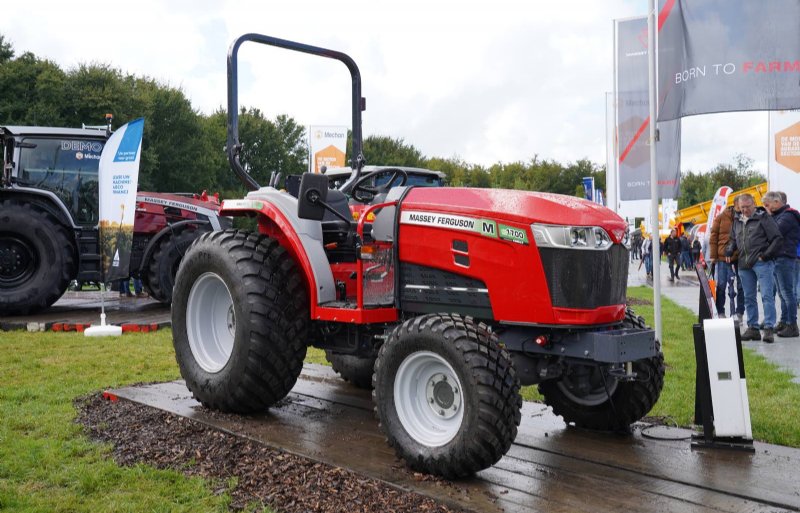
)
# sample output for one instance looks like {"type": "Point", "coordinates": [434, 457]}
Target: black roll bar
{"type": "Point", "coordinates": [234, 146]}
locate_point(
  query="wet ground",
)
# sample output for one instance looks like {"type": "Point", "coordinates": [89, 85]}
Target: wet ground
{"type": "Point", "coordinates": [549, 468]}
{"type": "Point", "coordinates": [784, 352]}
{"type": "Point", "coordinates": [84, 308]}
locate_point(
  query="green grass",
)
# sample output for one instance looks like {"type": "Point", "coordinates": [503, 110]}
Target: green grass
{"type": "Point", "coordinates": [48, 465]}
{"type": "Point", "coordinates": [774, 399]}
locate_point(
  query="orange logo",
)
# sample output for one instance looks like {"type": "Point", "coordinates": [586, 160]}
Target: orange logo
{"type": "Point", "coordinates": [787, 147]}
{"type": "Point", "coordinates": [329, 157]}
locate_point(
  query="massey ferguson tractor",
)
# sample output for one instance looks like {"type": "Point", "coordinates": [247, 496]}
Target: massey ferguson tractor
{"type": "Point", "coordinates": [454, 298]}
{"type": "Point", "coordinates": [49, 215]}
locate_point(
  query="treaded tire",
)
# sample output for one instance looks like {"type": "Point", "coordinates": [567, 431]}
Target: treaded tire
{"type": "Point", "coordinates": [489, 392]}
{"type": "Point", "coordinates": [163, 265]}
{"type": "Point", "coordinates": [632, 400]}
{"type": "Point", "coordinates": [354, 369]}
{"type": "Point", "coordinates": [37, 258]}
{"type": "Point", "coordinates": [270, 308]}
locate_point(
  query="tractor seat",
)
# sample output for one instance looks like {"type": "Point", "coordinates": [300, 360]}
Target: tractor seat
{"type": "Point", "coordinates": [335, 229]}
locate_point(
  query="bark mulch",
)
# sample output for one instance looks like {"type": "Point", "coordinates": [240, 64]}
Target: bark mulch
{"type": "Point", "coordinates": [262, 475]}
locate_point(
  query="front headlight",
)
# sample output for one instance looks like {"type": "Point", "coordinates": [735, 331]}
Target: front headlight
{"type": "Point", "coordinates": [573, 237]}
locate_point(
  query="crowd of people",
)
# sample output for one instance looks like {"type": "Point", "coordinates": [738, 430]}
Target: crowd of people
{"type": "Point", "coordinates": [753, 251]}
{"type": "Point", "coordinates": [761, 254]}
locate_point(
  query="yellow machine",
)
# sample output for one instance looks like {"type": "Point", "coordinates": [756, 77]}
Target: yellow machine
{"type": "Point", "coordinates": [698, 214]}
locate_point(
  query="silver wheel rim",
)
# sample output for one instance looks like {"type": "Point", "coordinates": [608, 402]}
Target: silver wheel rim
{"type": "Point", "coordinates": [428, 398]}
{"type": "Point", "coordinates": [210, 322]}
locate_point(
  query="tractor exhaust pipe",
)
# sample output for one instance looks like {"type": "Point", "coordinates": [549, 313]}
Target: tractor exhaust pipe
{"type": "Point", "coordinates": [234, 146]}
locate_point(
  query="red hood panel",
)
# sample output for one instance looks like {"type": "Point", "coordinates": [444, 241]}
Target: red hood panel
{"type": "Point", "coordinates": [516, 206]}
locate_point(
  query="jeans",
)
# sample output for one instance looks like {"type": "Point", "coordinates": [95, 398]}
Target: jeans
{"type": "Point", "coordinates": [648, 263]}
{"type": "Point", "coordinates": [686, 260]}
{"type": "Point", "coordinates": [797, 277]}
{"type": "Point", "coordinates": [674, 265]}
{"type": "Point", "coordinates": [785, 269]}
{"type": "Point", "coordinates": [761, 274]}
{"type": "Point", "coordinates": [726, 275]}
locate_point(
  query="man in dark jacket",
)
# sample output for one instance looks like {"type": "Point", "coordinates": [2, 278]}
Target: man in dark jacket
{"type": "Point", "coordinates": [757, 238]}
{"type": "Point", "coordinates": [672, 247]}
{"type": "Point", "coordinates": [726, 267]}
{"type": "Point", "coordinates": [788, 221]}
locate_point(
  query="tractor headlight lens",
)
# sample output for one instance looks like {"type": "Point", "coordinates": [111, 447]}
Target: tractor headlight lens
{"type": "Point", "coordinates": [573, 237]}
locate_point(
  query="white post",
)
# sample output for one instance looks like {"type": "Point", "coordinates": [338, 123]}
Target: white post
{"type": "Point", "coordinates": [651, 58]}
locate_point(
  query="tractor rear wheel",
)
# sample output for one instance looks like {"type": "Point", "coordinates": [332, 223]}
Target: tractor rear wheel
{"type": "Point", "coordinates": [446, 395]}
{"type": "Point", "coordinates": [37, 258]}
{"type": "Point", "coordinates": [354, 369]}
{"type": "Point", "coordinates": [590, 397]}
{"type": "Point", "coordinates": [240, 321]}
{"type": "Point", "coordinates": [160, 271]}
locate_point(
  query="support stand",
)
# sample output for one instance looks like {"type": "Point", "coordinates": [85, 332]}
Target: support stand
{"type": "Point", "coordinates": [103, 330]}
{"type": "Point", "coordinates": [733, 408]}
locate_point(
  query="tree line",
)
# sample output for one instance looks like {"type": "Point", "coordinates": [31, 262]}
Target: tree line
{"type": "Point", "coordinates": [183, 149]}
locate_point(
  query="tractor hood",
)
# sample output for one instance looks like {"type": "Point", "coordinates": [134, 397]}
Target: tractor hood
{"type": "Point", "coordinates": [522, 207]}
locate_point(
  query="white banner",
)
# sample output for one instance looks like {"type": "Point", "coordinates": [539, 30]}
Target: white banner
{"type": "Point", "coordinates": [784, 154]}
{"type": "Point", "coordinates": [327, 146]}
{"type": "Point", "coordinates": [118, 179]}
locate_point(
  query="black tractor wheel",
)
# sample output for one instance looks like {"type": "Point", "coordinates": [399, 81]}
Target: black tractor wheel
{"type": "Point", "coordinates": [161, 269]}
{"type": "Point", "coordinates": [240, 321]}
{"type": "Point", "coordinates": [446, 395]}
{"type": "Point", "coordinates": [37, 258]}
{"type": "Point", "coordinates": [354, 369]}
{"type": "Point", "coordinates": [590, 397]}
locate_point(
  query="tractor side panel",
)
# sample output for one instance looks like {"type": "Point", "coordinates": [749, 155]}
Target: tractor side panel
{"type": "Point", "coordinates": [469, 263]}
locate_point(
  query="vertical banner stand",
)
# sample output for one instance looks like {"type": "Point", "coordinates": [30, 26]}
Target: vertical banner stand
{"type": "Point", "coordinates": [721, 406]}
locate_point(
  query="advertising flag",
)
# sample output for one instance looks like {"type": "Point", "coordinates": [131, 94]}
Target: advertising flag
{"type": "Point", "coordinates": [327, 145]}
{"type": "Point", "coordinates": [588, 188]}
{"type": "Point", "coordinates": [784, 154]}
{"type": "Point", "coordinates": [633, 120]}
{"type": "Point", "coordinates": [118, 178]}
{"type": "Point", "coordinates": [727, 56]}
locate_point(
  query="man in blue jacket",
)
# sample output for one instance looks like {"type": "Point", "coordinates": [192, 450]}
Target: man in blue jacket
{"type": "Point", "coordinates": [788, 221]}
{"type": "Point", "coordinates": [757, 238]}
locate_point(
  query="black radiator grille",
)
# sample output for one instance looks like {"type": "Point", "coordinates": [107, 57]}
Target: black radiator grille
{"type": "Point", "coordinates": [584, 278]}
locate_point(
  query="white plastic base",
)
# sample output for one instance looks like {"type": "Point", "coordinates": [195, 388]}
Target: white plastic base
{"type": "Point", "coordinates": [103, 330]}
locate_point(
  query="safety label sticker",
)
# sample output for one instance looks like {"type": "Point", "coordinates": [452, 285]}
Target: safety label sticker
{"type": "Point", "coordinates": [242, 204]}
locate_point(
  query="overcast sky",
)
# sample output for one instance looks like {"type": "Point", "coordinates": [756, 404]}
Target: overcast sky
{"type": "Point", "coordinates": [484, 81]}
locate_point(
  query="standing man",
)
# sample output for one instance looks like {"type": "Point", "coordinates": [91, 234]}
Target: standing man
{"type": "Point", "coordinates": [672, 246]}
{"type": "Point", "coordinates": [725, 266]}
{"type": "Point", "coordinates": [788, 221]}
{"type": "Point", "coordinates": [647, 255]}
{"type": "Point", "coordinates": [686, 253]}
{"type": "Point", "coordinates": [758, 240]}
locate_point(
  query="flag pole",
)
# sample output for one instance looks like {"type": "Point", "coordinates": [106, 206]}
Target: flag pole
{"type": "Point", "coordinates": [651, 75]}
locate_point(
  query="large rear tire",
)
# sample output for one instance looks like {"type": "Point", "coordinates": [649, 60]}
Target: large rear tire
{"type": "Point", "coordinates": [354, 369]}
{"type": "Point", "coordinates": [446, 395]}
{"type": "Point", "coordinates": [37, 259]}
{"type": "Point", "coordinates": [240, 321]}
{"type": "Point", "coordinates": [590, 406]}
{"type": "Point", "coordinates": [164, 262]}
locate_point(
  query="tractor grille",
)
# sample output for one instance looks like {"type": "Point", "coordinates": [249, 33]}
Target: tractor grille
{"type": "Point", "coordinates": [584, 278]}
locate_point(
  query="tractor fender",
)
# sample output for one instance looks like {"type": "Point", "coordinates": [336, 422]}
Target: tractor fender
{"type": "Point", "coordinates": [46, 200]}
{"type": "Point", "coordinates": [303, 237]}
{"type": "Point", "coordinates": [166, 232]}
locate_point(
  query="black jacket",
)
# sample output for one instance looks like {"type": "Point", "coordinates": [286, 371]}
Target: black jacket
{"type": "Point", "coordinates": [672, 246]}
{"type": "Point", "coordinates": [788, 220]}
{"type": "Point", "coordinates": [759, 238]}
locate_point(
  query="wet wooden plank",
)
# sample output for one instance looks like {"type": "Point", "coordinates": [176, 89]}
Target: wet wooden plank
{"type": "Point", "coordinates": [549, 468]}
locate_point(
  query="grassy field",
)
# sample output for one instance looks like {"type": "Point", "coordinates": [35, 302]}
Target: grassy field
{"type": "Point", "coordinates": [47, 465]}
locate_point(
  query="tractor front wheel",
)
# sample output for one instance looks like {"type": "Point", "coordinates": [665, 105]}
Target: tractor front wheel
{"type": "Point", "coordinates": [446, 395]}
{"type": "Point", "coordinates": [240, 321]}
{"type": "Point", "coordinates": [590, 396]}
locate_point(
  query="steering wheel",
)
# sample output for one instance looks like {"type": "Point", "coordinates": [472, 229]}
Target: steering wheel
{"type": "Point", "coordinates": [361, 185]}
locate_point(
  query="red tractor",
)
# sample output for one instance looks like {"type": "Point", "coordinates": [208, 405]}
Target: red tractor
{"type": "Point", "coordinates": [49, 215]}
{"type": "Point", "coordinates": [452, 297]}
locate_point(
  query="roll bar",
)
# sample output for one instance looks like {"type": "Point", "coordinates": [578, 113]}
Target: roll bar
{"type": "Point", "coordinates": [234, 146]}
